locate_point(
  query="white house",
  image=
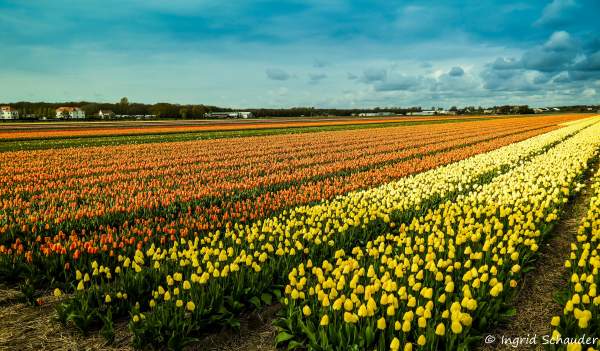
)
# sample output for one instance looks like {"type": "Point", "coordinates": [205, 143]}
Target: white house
{"type": "Point", "coordinates": [7, 112]}
{"type": "Point", "coordinates": [106, 114]}
{"type": "Point", "coordinates": [70, 112]}
{"type": "Point", "coordinates": [245, 114]}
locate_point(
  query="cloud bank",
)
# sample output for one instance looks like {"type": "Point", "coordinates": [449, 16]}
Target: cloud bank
{"type": "Point", "coordinates": [338, 53]}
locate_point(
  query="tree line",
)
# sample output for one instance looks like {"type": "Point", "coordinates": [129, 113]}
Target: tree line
{"type": "Point", "coordinates": [168, 110]}
{"type": "Point", "coordinates": [123, 107]}
{"type": "Point", "coordinates": [36, 110]}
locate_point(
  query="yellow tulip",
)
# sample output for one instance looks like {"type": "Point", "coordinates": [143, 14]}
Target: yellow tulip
{"type": "Point", "coordinates": [348, 305]}
{"type": "Point", "coordinates": [440, 329]}
{"type": "Point", "coordinates": [456, 327]}
{"type": "Point", "coordinates": [324, 320]}
{"type": "Point", "coordinates": [306, 310]}
{"type": "Point", "coordinates": [381, 323]}
{"type": "Point", "coordinates": [350, 318]}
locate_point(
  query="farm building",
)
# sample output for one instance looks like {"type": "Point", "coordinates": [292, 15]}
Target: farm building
{"type": "Point", "coordinates": [235, 114]}
{"type": "Point", "coordinates": [7, 112]}
{"type": "Point", "coordinates": [423, 113]}
{"type": "Point", "coordinates": [375, 114]}
{"type": "Point", "coordinates": [70, 112]}
{"type": "Point", "coordinates": [106, 114]}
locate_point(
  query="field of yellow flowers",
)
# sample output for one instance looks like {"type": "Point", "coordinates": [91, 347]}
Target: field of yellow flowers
{"type": "Point", "coordinates": [399, 238]}
{"type": "Point", "coordinates": [432, 280]}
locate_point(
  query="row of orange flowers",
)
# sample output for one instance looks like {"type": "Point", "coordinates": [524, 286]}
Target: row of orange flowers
{"type": "Point", "coordinates": [136, 129]}
{"type": "Point", "coordinates": [41, 205]}
{"type": "Point", "coordinates": [53, 165]}
{"type": "Point", "coordinates": [101, 159]}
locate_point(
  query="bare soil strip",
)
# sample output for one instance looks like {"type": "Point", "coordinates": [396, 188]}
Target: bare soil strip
{"type": "Point", "coordinates": [535, 304]}
{"type": "Point", "coordinates": [33, 328]}
{"type": "Point", "coordinates": [256, 333]}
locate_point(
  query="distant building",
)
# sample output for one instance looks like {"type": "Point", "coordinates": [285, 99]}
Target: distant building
{"type": "Point", "coordinates": [106, 114]}
{"type": "Point", "coordinates": [423, 113]}
{"type": "Point", "coordinates": [375, 114]}
{"type": "Point", "coordinates": [7, 112]}
{"type": "Point", "coordinates": [445, 112]}
{"type": "Point", "coordinates": [70, 112]}
{"type": "Point", "coordinates": [235, 114]}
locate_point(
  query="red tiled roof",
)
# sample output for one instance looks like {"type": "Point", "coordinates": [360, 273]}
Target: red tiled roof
{"type": "Point", "coordinates": [67, 109]}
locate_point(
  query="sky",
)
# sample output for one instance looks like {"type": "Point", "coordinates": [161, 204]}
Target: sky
{"type": "Point", "coordinates": [285, 53]}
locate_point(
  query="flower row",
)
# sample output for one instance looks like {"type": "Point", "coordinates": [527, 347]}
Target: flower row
{"type": "Point", "coordinates": [82, 130]}
{"type": "Point", "coordinates": [581, 301]}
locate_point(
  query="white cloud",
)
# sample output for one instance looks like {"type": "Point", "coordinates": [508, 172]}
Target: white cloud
{"type": "Point", "coordinates": [589, 92]}
{"type": "Point", "coordinates": [554, 11]}
{"type": "Point", "coordinates": [560, 41]}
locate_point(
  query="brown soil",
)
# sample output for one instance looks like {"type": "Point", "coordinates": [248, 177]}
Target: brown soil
{"type": "Point", "coordinates": [32, 328]}
{"type": "Point", "coordinates": [256, 333]}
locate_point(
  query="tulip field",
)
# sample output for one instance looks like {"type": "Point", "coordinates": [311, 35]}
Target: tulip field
{"type": "Point", "coordinates": [408, 237]}
{"type": "Point", "coordinates": [28, 131]}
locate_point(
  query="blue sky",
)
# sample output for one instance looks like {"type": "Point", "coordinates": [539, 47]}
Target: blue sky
{"type": "Point", "coordinates": [284, 53]}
